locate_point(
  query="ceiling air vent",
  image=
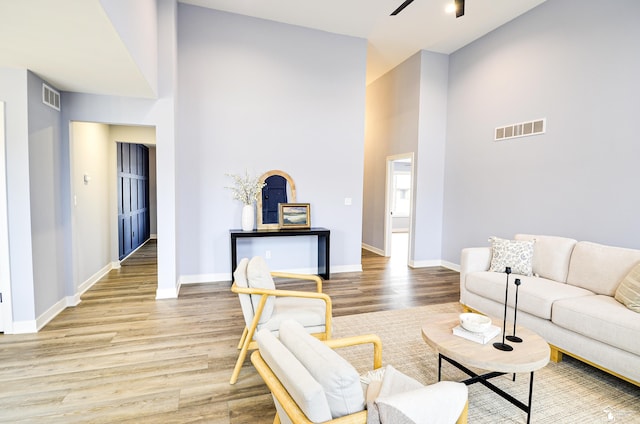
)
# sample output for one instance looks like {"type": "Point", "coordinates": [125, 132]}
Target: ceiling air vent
{"type": "Point", "coordinates": [522, 129]}
{"type": "Point", "coordinates": [50, 97]}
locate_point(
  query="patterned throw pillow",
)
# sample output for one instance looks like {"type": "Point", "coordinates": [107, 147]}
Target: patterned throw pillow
{"type": "Point", "coordinates": [517, 254]}
{"type": "Point", "coordinates": [628, 292]}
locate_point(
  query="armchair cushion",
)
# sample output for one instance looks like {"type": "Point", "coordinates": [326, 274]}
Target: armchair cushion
{"type": "Point", "coordinates": [259, 277]}
{"type": "Point", "coordinates": [311, 313]}
{"type": "Point", "coordinates": [240, 278]}
{"type": "Point", "coordinates": [303, 388]}
{"type": "Point", "coordinates": [339, 379]}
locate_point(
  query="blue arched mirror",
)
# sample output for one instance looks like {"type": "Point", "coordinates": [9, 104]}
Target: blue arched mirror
{"type": "Point", "coordinates": [279, 188]}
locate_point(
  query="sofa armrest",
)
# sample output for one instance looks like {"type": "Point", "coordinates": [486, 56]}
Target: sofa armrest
{"type": "Point", "coordinates": [473, 259]}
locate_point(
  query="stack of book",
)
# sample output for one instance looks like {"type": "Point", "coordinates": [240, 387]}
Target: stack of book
{"type": "Point", "coordinates": [482, 338]}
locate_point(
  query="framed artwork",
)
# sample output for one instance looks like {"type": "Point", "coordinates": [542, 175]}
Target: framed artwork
{"type": "Point", "coordinates": [294, 215]}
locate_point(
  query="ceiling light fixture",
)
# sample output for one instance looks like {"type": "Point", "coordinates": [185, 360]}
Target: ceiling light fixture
{"type": "Point", "coordinates": [459, 8]}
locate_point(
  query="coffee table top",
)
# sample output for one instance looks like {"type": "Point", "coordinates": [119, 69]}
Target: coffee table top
{"type": "Point", "coordinates": [530, 355]}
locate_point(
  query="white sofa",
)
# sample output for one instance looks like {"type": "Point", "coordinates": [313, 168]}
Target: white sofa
{"type": "Point", "coordinates": [569, 300]}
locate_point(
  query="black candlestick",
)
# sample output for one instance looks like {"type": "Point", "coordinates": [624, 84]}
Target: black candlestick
{"type": "Point", "coordinates": [515, 338]}
{"type": "Point", "coordinates": [503, 345]}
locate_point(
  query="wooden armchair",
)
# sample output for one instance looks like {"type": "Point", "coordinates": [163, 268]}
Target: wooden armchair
{"type": "Point", "coordinates": [264, 306]}
{"type": "Point", "coordinates": [286, 382]}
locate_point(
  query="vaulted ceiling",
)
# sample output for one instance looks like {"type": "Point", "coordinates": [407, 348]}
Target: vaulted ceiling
{"type": "Point", "coordinates": [72, 44]}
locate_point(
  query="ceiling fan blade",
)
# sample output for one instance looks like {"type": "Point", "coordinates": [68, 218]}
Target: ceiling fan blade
{"type": "Point", "coordinates": [401, 7]}
{"type": "Point", "coordinates": [459, 8]}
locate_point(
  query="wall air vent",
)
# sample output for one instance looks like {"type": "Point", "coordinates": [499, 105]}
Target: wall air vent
{"type": "Point", "coordinates": [50, 97]}
{"type": "Point", "coordinates": [522, 129]}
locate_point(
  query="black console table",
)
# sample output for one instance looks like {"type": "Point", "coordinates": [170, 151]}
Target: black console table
{"type": "Point", "coordinates": [323, 235]}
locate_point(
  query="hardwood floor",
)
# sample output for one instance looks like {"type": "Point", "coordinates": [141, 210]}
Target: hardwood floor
{"type": "Point", "coordinates": [122, 356]}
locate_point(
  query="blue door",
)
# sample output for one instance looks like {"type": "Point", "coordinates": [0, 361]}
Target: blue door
{"type": "Point", "coordinates": [274, 193]}
{"type": "Point", "coordinates": [133, 197]}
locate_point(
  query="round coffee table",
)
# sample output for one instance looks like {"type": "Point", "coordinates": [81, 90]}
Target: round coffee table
{"type": "Point", "coordinates": [528, 356]}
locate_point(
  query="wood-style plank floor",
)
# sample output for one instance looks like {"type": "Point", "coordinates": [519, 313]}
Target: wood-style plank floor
{"type": "Point", "coordinates": [122, 356]}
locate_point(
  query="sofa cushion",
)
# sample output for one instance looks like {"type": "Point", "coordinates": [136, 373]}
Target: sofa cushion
{"type": "Point", "coordinates": [535, 296]}
{"type": "Point", "coordinates": [551, 256]}
{"type": "Point", "coordinates": [628, 292]}
{"type": "Point", "coordinates": [240, 278]}
{"type": "Point", "coordinates": [303, 388]}
{"type": "Point", "coordinates": [601, 318]}
{"type": "Point", "coordinates": [259, 277]}
{"type": "Point", "coordinates": [511, 253]}
{"type": "Point", "coordinates": [339, 379]}
{"type": "Point", "coordinates": [600, 268]}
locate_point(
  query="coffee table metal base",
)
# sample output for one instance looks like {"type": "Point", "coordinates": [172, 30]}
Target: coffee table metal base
{"type": "Point", "coordinates": [483, 379]}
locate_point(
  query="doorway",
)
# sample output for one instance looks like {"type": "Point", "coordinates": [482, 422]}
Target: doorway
{"type": "Point", "coordinates": [94, 187]}
{"type": "Point", "coordinates": [399, 208]}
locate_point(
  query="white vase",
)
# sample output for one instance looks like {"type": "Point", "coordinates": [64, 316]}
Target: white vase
{"type": "Point", "coordinates": [247, 218]}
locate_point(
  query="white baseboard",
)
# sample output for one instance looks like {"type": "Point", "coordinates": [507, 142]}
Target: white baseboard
{"type": "Point", "coordinates": [153, 236]}
{"type": "Point", "coordinates": [451, 266]}
{"type": "Point", "coordinates": [434, 262]}
{"type": "Point", "coordinates": [226, 277]}
{"type": "Point", "coordinates": [33, 326]}
{"type": "Point", "coordinates": [24, 327]}
{"type": "Point", "coordinates": [170, 293]}
{"type": "Point", "coordinates": [89, 282]}
{"type": "Point", "coordinates": [204, 278]}
{"type": "Point", "coordinates": [425, 264]}
{"type": "Point", "coordinates": [51, 313]}
{"type": "Point", "coordinates": [346, 268]}
{"type": "Point", "coordinates": [373, 249]}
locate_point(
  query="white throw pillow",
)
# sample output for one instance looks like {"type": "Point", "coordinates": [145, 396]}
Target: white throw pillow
{"type": "Point", "coordinates": [628, 292]}
{"type": "Point", "coordinates": [440, 403]}
{"type": "Point", "coordinates": [338, 377]}
{"type": "Point", "coordinates": [511, 253]}
{"type": "Point", "coordinates": [303, 388]}
{"type": "Point", "coordinates": [240, 278]}
{"type": "Point", "coordinates": [259, 277]}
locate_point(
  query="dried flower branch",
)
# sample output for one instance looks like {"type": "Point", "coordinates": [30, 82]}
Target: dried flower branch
{"type": "Point", "coordinates": [246, 189]}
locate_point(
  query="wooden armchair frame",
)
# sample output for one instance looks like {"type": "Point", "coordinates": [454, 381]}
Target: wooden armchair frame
{"type": "Point", "coordinates": [291, 407]}
{"type": "Point", "coordinates": [246, 340]}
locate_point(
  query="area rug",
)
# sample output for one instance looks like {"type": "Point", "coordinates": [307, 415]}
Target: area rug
{"type": "Point", "coordinates": [565, 392]}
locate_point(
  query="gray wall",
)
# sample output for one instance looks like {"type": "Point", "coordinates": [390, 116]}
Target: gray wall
{"type": "Point", "coordinates": [577, 64]}
{"type": "Point", "coordinates": [48, 160]}
{"type": "Point", "coordinates": [430, 160]}
{"type": "Point", "coordinates": [93, 154]}
{"type": "Point", "coordinates": [258, 95]}
{"type": "Point", "coordinates": [406, 113]}
{"type": "Point", "coordinates": [393, 111]}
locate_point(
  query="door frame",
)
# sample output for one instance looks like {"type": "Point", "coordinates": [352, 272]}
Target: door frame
{"type": "Point", "coordinates": [6, 311]}
{"type": "Point", "coordinates": [388, 225]}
